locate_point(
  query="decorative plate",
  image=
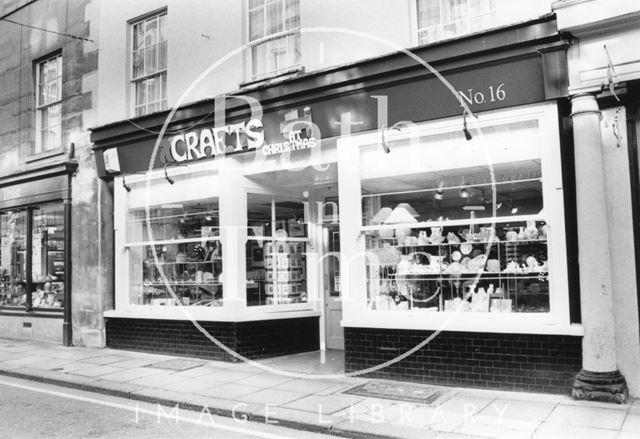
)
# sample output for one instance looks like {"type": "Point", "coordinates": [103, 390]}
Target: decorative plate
{"type": "Point", "coordinates": [466, 248]}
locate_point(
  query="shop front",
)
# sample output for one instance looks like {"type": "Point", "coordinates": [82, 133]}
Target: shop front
{"type": "Point", "coordinates": [35, 209]}
{"type": "Point", "coordinates": [369, 215]}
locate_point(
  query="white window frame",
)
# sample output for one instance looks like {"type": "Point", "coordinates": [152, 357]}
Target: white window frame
{"type": "Point", "coordinates": [466, 19]}
{"type": "Point", "coordinates": [41, 108]}
{"type": "Point", "coordinates": [355, 310]}
{"type": "Point", "coordinates": [203, 183]}
{"type": "Point", "coordinates": [158, 74]}
{"type": "Point", "coordinates": [270, 39]}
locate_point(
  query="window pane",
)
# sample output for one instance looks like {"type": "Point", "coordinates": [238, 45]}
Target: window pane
{"type": "Point", "coordinates": [48, 270]}
{"type": "Point", "coordinates": [13, 258]}
{"type": "Point", "coordinates": [151, 60]}
{"type": "Point", "coordinates": [138, 63]}
{"type": "Point", "coordinates": [292, 14]}
{"type": "Point", "coordinates": [151, 32]}
{"type": "Point", "coordinates": [141, 93]}
{"type": "Point", "coordinates": [275, 22]}
{"type": "Point", "coordinates": [50, 127]}
{"type": "Point", "coordinates": [191, 263]}
{"type": "Point", "coordinates": [276, 267]}
{"type": "Point", "coordinates": [256, 24]}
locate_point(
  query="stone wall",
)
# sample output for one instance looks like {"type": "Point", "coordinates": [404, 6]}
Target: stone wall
{"type": "Point", "coordinates": [69, 27]}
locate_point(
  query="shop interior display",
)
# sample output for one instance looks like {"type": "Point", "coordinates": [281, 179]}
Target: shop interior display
{"type": "Point", "coordinates": [47, 256]}
{"type": "Point", "coordinates": [276, 264]}
{"type": "Point", "coordinates": [449, 269]}
{"type": "Point", "coordinates": [448, 247]}
{"type": "Point", "coordinates": [185, 257]}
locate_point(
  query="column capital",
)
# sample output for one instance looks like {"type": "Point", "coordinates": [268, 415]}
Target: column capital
{"type": "Point", "coordinates": [584, 103]}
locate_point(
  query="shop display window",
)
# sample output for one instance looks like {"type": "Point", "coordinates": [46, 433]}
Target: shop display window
{"type": "Point", "coordinates": [47, 256]}
{"type": "Point", "coordinates": [276, 251]}
{"type": "Point", "coordinates": [181, 253]}
{"type": "Point", "coordinates": [13, 261]}
{"type": "Point", "coordinates": [469, 238]}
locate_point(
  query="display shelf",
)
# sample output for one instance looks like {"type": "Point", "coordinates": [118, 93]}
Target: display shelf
{"type": "Point", "coordinates": [507, 267]}
{"type": "Point", "coordinates": [184, 284]}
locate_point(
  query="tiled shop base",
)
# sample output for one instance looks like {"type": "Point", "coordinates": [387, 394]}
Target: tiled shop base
{"type": "Point", "coordinates": [541, 363]}
{"type": "Point", "coordinates": [258, 339]}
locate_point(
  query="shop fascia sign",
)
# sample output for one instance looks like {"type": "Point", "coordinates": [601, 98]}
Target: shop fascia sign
{"type": "Point", "coordinates": [238, 137]}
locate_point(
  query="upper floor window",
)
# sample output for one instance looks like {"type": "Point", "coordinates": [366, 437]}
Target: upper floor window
{"type": "Point", "coordinates": [48, 104]}
{"type": "Point", "coordinates": [443, 19]}
{"type": "Point", "coordinates": [274, 36]}
{"type": "Point", "coordinates": [149, 64]}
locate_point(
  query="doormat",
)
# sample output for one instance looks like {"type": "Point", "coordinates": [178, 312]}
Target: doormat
{"type": "Point", "coordinates": [176, 364]}
{"type": "Point", "coordinates": [399, 391]}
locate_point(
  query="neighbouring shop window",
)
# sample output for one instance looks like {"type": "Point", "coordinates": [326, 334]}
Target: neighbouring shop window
{"type": "Point", "coordinates": [149, 64]}
{"type": "Point", "coordinates": [13, 261]}
{"type": "Point", "coordinates": [274, 36]}
{"type": "Point", "coordinates": [180, 255]}
{"type": "Point", "coordinates": [276, 248]}
{"type": "Point", "coordinates": [450, 237]}
{"type": "Point", "coordinates": [48, 104]}
{"type": "Point", "coordinates": [47, 256]}
{"type": "Point", "coordinates": [443, 19]}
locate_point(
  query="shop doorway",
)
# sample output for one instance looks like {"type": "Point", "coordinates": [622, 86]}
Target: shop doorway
{"type": "Point", "coordinates": [334, 333]}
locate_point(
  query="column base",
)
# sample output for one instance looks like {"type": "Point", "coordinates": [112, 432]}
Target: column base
{"type": "Point", "coordinates": [600, 386]}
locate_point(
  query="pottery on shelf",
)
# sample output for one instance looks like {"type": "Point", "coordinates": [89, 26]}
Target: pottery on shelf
{"type": "Point", "coordinates": [531, 231]}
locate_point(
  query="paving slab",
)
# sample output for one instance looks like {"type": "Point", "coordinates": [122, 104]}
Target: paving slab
{"type": "Point", "coordinates": [323, 404]}
{"type": "Point", "coordinates": [532, 411]}
{"type": "Point", "coordinates": [559, 431]}
{"type": "Point", "coordinates": [125, 375]}
{"type": "Point", "coordinates": [602, 418]}
{"type": "Point", "coordinates": [264, 380]}
{"type": "Point", "coordinates": [308, 386]}
{"type": "Point", "coordinates": [94, 371]}
{"type": "Point", "coordinates": [632, 423]}
{"type": "Point", "coordinates": [229, 391]}
{"type": "Point", "coordinates": [271, 397]}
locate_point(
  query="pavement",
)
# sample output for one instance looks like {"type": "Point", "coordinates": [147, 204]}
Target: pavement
{"type": "Point", "coordinates": [245, 391]}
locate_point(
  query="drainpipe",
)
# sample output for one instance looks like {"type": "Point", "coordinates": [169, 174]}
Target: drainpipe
{"type": "Point", "coordinates": [67, 328]}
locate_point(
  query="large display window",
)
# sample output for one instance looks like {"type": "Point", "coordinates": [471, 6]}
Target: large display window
{"type": "Point", "coordinates": [43, 280]}
{"type": "Point", "coordinates": [456, 228]}
{"type": "Point", "coordinates": [180, 253]}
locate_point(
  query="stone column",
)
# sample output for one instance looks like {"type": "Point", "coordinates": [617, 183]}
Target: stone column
{"type": "Point", "coordinates": [599, 378]}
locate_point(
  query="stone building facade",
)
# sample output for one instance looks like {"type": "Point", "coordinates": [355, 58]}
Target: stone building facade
{"type": "Point", "coordinates": [56, 253]}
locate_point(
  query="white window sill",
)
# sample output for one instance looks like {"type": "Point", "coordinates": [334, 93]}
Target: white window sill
{"type": "Point", "coordinates": [206, 314]}
{"type": "Point", "coordinates": [512, 323]}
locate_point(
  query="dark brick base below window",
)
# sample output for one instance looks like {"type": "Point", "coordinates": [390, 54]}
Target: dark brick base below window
{"type": "Point", "coordinates": [257, 339]}
{"type": "Point", "coordinates": [540, 363]}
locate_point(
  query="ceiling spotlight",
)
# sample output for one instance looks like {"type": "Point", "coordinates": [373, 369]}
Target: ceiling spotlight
{"type": "Point", "coordinates": [439, 195]}
{"type": "Point", "coordinates": [383, 142]}
{"type": "Point", "coordinates": [514, 210]}
{"type": "Point", "coordinates": [125, 185]}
